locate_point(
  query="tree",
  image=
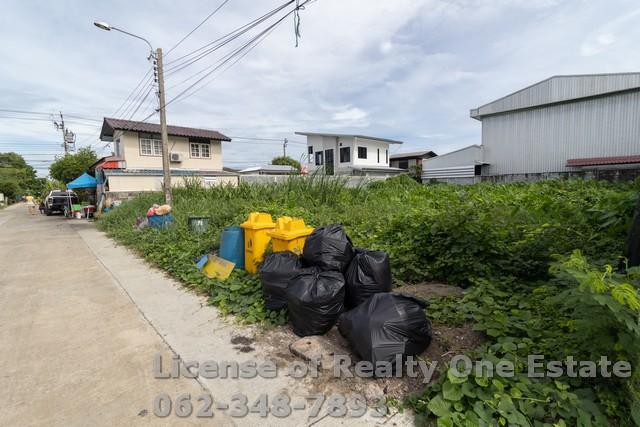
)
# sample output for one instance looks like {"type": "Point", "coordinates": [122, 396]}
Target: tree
{"type": "Point", "coordinates": [16, 176]}
{"type": "Point", "coordinates": [70, 166]}
{"type": "Point", "coordinates": [287, 161]}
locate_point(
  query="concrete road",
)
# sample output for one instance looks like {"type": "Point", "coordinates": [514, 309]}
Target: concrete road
{"type": "Point", "coordinates": [74, 350]}
{"type": "Point", "coordinates": [82, 319]}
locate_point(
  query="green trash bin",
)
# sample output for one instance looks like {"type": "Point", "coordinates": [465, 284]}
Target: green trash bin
{"type": "Point", "coordinates": [198, 224]}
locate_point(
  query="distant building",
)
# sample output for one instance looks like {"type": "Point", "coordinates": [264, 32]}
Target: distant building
{"type": "Point", "coordinates": [410, 161]}
{"type": "Point", "coordinates": [463, 166]}
{"type": "Point", "coordinates": [580, 125]}
{"type": "Point", "coordinates": [348, 154]}
{"type": "Point", "coordinates": [136, 165]}
{"type": "Point", "coordinates": [269, 170]}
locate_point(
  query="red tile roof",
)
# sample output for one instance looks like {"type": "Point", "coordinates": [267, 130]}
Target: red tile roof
{"type": "Point", "coordinates": [109, 125]}
{"type": "Point", "coordinates": [600, 161]}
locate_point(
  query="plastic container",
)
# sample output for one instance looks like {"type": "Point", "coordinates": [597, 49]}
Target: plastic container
{"type": "Point", "coordinates": [289, 235]}
{"type": "Point", "coordinates": [256, 239]}
{"type": "Point", "coordinates": [198, 224]}
{"type": "Point", "coordinates": [160, 221]}
{"type": "Point", "coordinates": [217, 268]}
{"type": "Point", "coordinates": [232, 245]}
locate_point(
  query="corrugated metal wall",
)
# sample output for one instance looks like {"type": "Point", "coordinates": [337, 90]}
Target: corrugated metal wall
{"type": "Point", "coordinates": [543, 139]}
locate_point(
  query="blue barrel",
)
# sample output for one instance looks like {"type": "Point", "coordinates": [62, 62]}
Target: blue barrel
{"type": "Point", "coordinates": [160, 221]}
{"type": "Point", "coordinates": [232, 246]}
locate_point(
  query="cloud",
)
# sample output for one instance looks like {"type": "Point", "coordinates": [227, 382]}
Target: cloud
{"type": "Point", "coordinates": [403, 69]}
{"type": "Point", "coordinates": [599, 45]}
{"type": "Point", "coordinates": [351, 116]}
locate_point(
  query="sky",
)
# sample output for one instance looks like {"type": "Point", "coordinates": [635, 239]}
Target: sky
{"type": "Point", "coordinates": [408, 70]}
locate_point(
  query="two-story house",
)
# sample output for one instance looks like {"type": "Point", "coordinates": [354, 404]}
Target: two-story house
{"type": "Point", "coordinates": [347, 154]}
{"type": "Point", "coordinates": [136, 165]}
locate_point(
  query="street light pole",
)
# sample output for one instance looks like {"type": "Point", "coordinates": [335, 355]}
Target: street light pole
{"type": "Point", "coordinates": [166, 167]}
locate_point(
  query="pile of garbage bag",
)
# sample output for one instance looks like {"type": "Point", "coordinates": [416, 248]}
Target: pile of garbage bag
{"type": "Point", "coordinates": [332, 276]}
{"type": "Point", "coordinates": [315, 299]}
{"type": "Point", "coordinates": [328, 248]}
{"type": "Point", "coordinates": [368, 273]}
{"type": "Point", "coordinates": [275, 273]}
{"type": "Point", "coordinates": [386, 325]}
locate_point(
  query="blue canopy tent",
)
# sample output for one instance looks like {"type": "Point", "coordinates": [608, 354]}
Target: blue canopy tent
{"type": "Point", "coordinates": [83, 181]}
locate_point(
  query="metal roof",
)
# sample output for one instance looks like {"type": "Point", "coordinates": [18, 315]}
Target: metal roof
{"type": "Point", "coordinates": [270, 168]}
{"type": "Point", "coordinates": [412, 154]}
{"type": "Point", "coordinates": [158, 172]}
{"type": "Point", "coordinates": [109, 125]}
{"type": "Point", "coordinates": [346, 135]}
{"type": "Point", "coordinates": [560, 89]}
{"type": "Point", "coordinates": [377, 168]}
{"type": "Point", "coordinates": [602, 161]}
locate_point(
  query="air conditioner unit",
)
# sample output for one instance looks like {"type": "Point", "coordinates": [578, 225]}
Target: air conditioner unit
{"type": "Point", "coordinates": [175, 157]}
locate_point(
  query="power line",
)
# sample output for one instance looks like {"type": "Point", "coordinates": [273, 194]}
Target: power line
{"type": "Point", "coordinates": [140, 103]}
{"type": "Point", "coordinates": [225, 39]}
{"type": "Point", "coordinates": [197, 26]}
{"type": "Point", "coordinates": [38, 113]}
{"type": "Point", "coordinates": [228, 58]}
{"type": "Point", "coordinates": [135, 89]}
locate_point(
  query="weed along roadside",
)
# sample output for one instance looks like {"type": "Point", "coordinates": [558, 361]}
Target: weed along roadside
{"type": "Point", "coordinates": [533, 260]}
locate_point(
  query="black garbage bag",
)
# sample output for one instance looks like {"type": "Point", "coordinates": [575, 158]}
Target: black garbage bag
{"type": "Point", "coordinates": [315, 299]}
{"type": "Point", "coordinates": [329, 248]}
{"type": "Point", "coordinates": [276, 271]}
{"type": "Point", "coordinates": [387, 325]}
{"type": "Point", "coordinates": [368, 273]}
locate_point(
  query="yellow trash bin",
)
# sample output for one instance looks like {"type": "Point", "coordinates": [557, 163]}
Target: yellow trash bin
{"type": "Point", "coordinates": [289, 235]}
{"type": "Point", "coordinates": [256, 239]}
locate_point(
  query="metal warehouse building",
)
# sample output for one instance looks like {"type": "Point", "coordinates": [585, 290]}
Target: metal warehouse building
{"type": "Point", "coordinates": [457, 167]}
{"type": "Point", "coordinates": [565, 125]}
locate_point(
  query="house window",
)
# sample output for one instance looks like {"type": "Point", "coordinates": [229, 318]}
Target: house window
{"type": "Point", "coordinates": [378, 155]}
{"type": "Point", "coordinates": [403, 164]}
{"type": "Point", "coordinates": [362, 152]}
{"type": "Point", "coordinates": [386, 156]}
{"type": "Point", "coordinates": [150, 147]}
{"type": "Point", "coordinates": [117, 149]}
{"type": "Point", "coordinates": [200, 150]}
{"type": "Point", "coordinates": [345, 155]}
{"type": "Point", "coordinates": [319, 159]}
{"type": "Point", "coordinates": [310, 153]}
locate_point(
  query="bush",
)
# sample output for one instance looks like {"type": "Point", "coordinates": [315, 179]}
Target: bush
{"type": "Point", "coordinates": [498, 240]}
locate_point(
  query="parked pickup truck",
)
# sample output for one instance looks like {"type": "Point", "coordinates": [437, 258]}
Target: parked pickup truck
{"type": "Point", "coordinates": [57, 200]}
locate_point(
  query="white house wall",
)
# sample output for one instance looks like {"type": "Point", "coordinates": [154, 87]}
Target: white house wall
{"type": "Point", "coordinates": [541, 140]}
{"type": "Point", "coordinates": [129, 143]}
{"type": "Point", "coordinates": [372, 153]}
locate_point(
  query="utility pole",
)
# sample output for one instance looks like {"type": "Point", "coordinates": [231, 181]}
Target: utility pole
{"type": "Point", "coordinates": [166, 171]}
{"type": "Point", "coordinates": [68, 137]}
{"type": "Point", "coordinates": [284, 147]}
{"type": "Point", "coordinates": [166, 167]}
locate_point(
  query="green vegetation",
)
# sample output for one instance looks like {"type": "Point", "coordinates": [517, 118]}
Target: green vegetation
{"type": "Point", "coordinates": [70, 166]}
{"type": "Point", "coordinates": [533, 257]}
{"type": "Point", "coordinates": [287, 161]}
{"type": "Point", "coordinates": [17, 178]}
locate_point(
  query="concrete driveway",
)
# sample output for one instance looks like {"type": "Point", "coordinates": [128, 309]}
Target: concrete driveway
{"type": "Point", "coordinates": [82, 321]}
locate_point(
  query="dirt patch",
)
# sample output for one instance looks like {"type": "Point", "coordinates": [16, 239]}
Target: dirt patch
{"type": "Point", "coordinates": [242, 344]}
{"type": "Point", "coordinates": [241, 340]}
{"type": "Point", "coordinates": [278, 344]}
{"type": "Point", "coordinates": [431, 289]}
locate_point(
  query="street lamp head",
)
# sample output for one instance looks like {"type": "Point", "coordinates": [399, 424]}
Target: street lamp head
{"type": "Point", "coordinates": [102, 25]}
